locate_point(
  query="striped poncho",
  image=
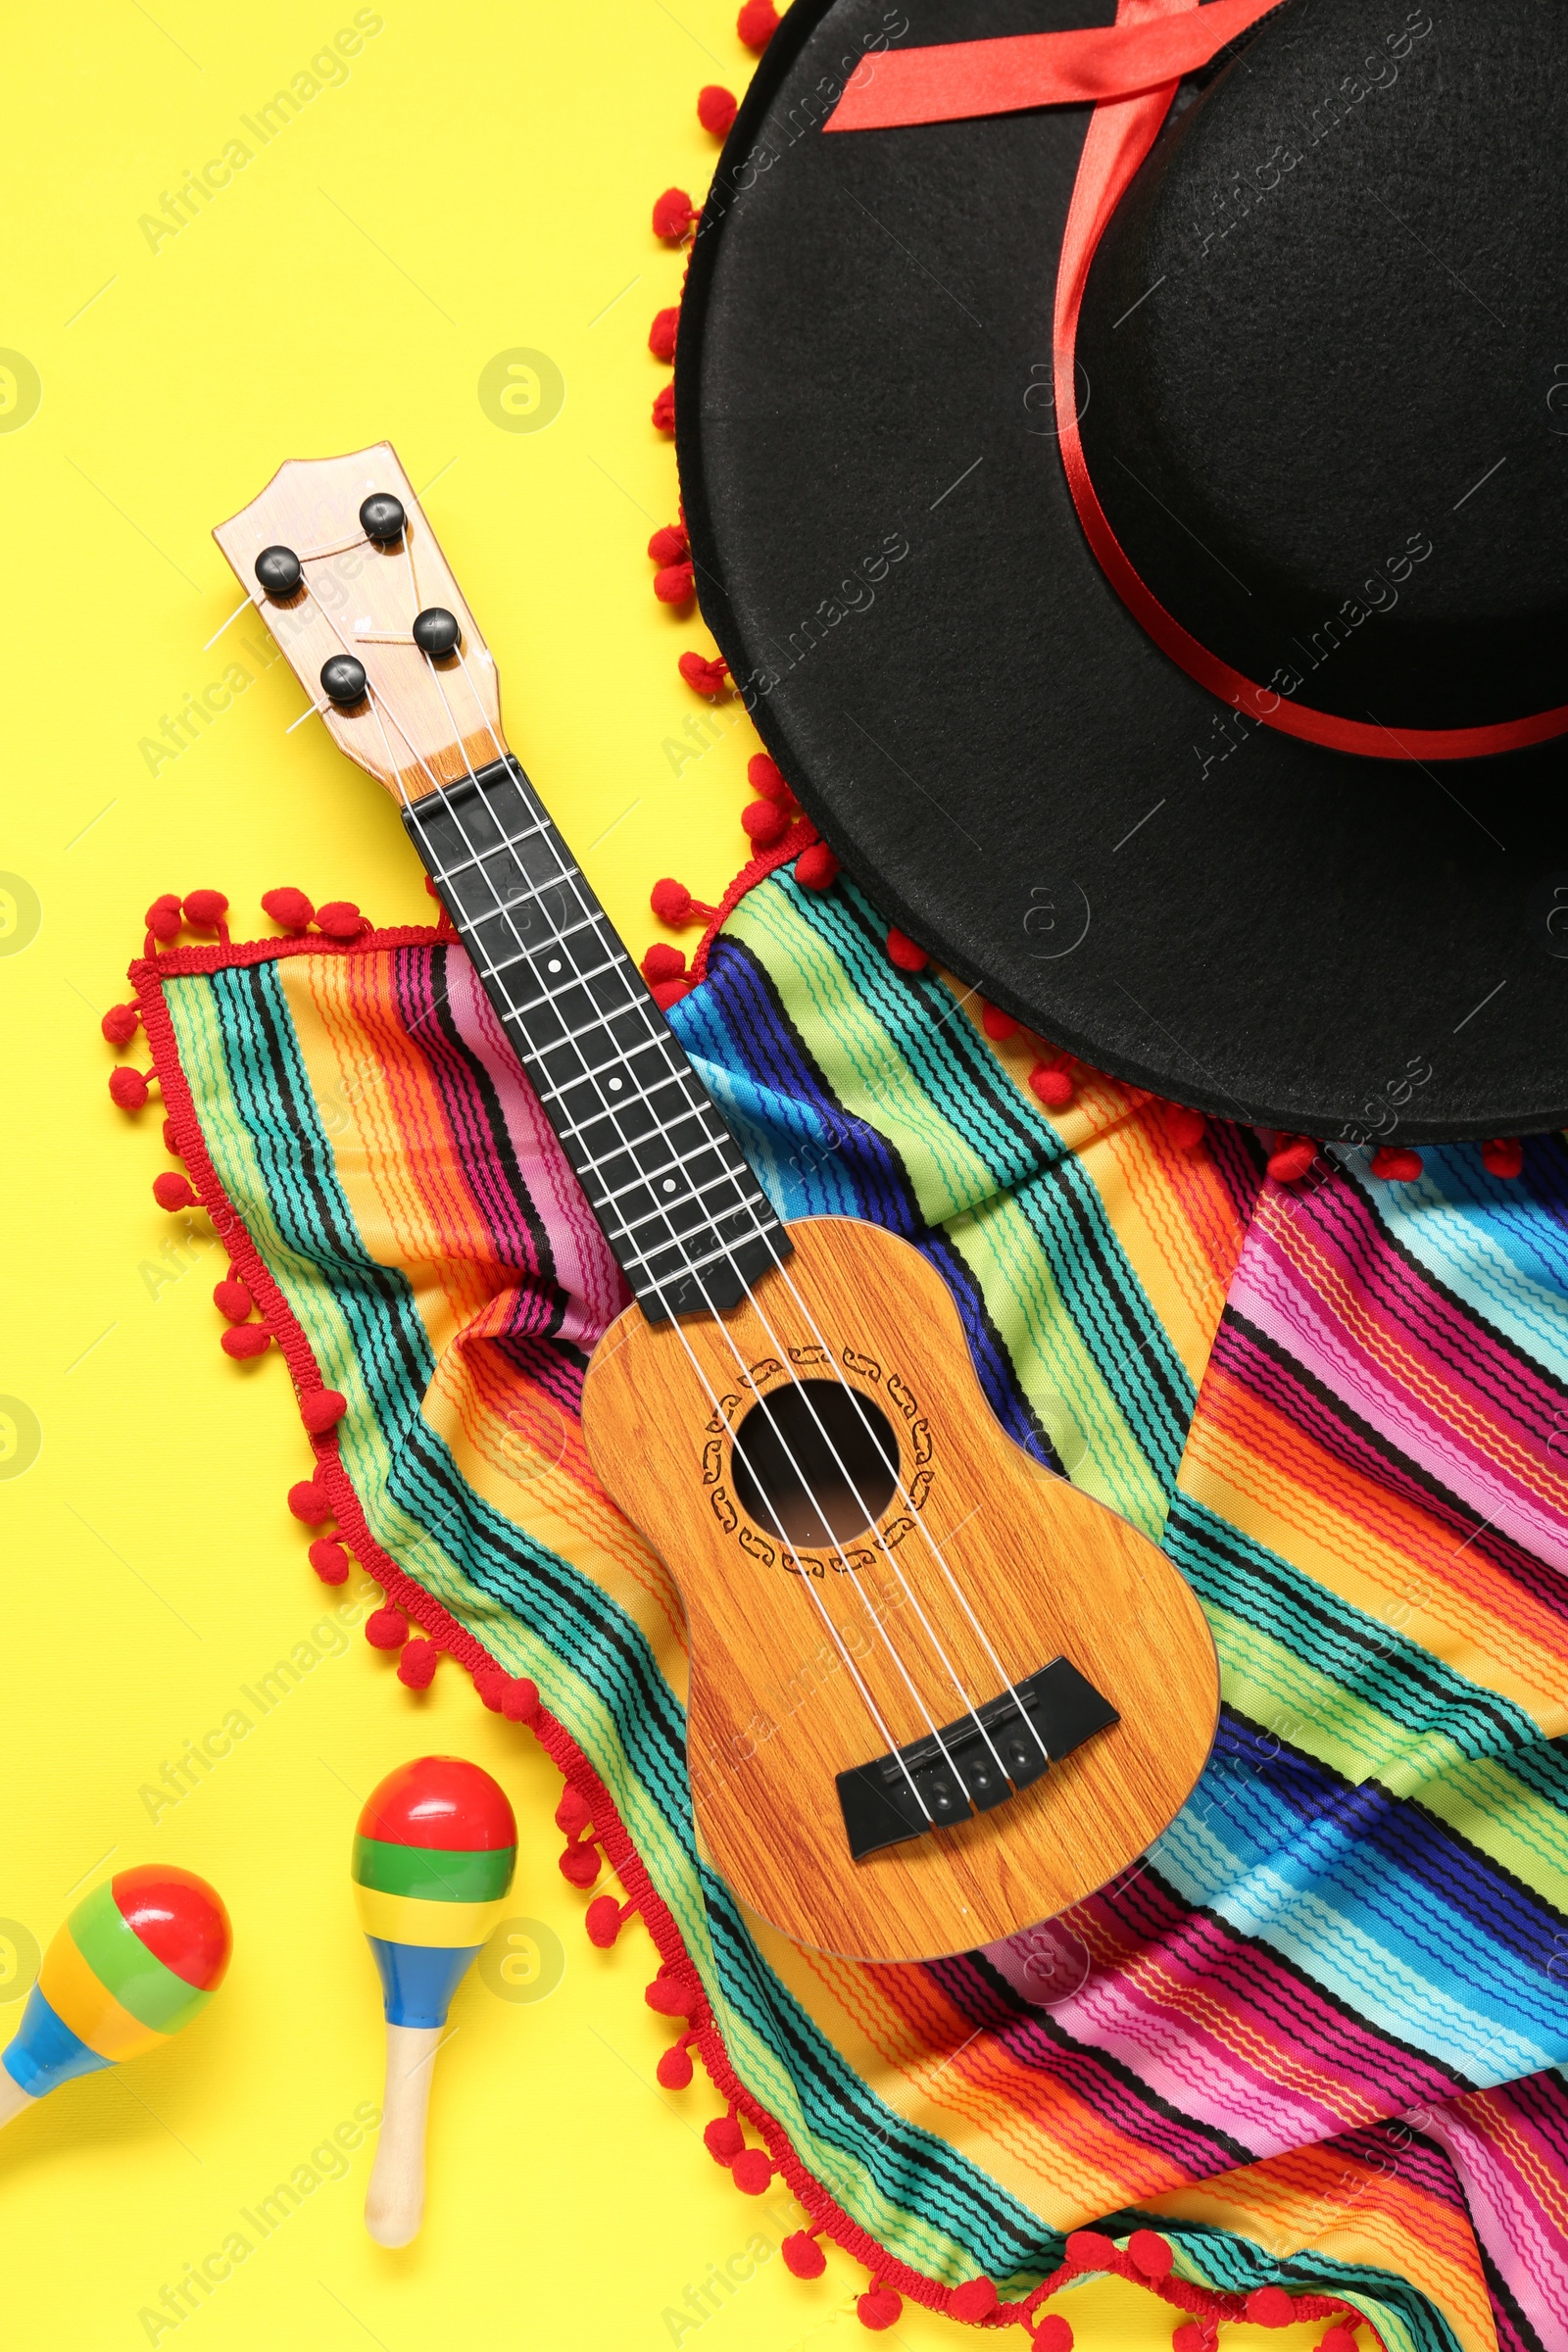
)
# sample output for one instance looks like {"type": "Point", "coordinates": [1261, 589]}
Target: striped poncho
{"type": "Point", "coordinates": [1314, 2038]}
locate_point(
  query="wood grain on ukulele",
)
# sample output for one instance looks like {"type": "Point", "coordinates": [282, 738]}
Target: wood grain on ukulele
{"type": "Point", "coordinates": [937, 1694]}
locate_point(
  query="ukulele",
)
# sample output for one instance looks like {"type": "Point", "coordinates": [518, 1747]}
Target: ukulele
{"type": "Point", "coordinates": [937, 1693]}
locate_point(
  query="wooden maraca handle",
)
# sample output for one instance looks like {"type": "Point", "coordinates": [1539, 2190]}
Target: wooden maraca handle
{"type": "Point", "coordinates": [394, 2202]}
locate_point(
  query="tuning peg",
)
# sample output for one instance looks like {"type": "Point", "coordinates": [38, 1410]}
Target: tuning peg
{"type": "Point", "coordinates": [343, 678]}
{"type": "Point", "coordinates": [436, 631]}
{"type": "Point", "coordinates": [280, 570]}
{"type": "Point", "coordinates": [381, 517]}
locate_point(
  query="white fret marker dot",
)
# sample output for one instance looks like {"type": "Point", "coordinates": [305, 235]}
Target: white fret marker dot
{"type": "Point", "coordinates": [669, 1184]}
{"type": "Point", "coordinates": [615, 1086]}
{"type": "Point", "coordinates": [554, 965]}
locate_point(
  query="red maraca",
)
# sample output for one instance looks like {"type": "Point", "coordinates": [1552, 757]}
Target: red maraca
{"type": "Point", "coordinates": [137, 1959]}
{"type": "Point", "coordinates": [433, 1859]}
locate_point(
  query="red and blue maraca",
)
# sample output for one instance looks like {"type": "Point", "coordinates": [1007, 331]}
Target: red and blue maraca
{"type": "Point", "coordinates": [433, 1858]}
{"type": "Point", "coordinates": [137, 1960]}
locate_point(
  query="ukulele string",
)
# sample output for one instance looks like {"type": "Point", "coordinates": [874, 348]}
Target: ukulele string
{"type": "Point", "coordinates": [782, 1352]}
{"type": "Point", "coordinates": [718, 1321]}
{"type": "Point", "coordinates": [478, 860]}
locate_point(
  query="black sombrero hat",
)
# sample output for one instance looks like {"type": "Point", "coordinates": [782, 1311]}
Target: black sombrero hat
{"type": "Point", "coordinates": [1144, 547]}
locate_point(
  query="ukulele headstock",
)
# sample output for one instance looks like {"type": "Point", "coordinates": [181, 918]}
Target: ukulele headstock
{"type": "Point", "coordinates": [339, 560]}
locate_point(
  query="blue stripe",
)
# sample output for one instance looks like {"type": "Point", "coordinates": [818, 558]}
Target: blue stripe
{"type": "Point", "coordinates": [46, 2052]}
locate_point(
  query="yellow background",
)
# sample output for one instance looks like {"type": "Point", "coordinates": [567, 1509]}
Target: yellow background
{"type": "Point", "coordinates": [481, 181]}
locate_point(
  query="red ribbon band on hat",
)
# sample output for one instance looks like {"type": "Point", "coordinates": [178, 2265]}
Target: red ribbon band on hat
{"type": "Point", "coordinates": [1129, 72]}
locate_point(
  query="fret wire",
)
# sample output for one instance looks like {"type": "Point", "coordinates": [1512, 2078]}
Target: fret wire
{"type": "Point", "coordinates": [592, 1167]}
{"type": "Point", "coordinates": [626, 1227]}
{"type": "Point", "coordinates": [718, 1138]}
{"type": "Point", "coordinates": [569, 1036]}
{"type": "Point", "coordinates": [476, 922]}
{"type": "Point", "coordinates": [691, 1192]}
{"type": "Point", "coordinates": [693, 1265]}
{"type": "Point", "coordinates": [489, 971]}
{"type": "Point", "coordinates": [672, 1077]}
{"type": "Point", "coordinates": [509, 841]}
{"type": "Point", "coordinates": [695, 1101]}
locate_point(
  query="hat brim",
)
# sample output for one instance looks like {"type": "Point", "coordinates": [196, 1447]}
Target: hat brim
{"type": "Point", "coordinates": [996, 749]}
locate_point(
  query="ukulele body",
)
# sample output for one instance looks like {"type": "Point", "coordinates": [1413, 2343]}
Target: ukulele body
{"type": "Point", "coordinates": [775, 1710]}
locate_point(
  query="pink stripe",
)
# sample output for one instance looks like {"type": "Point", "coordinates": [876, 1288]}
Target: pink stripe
{"type": "Point", "coordinates": [1268, 1291]}
{"type": "Point", "coordinates": [1519, 2235]}
{"type": "Point", "coordinates": [585, 1265]}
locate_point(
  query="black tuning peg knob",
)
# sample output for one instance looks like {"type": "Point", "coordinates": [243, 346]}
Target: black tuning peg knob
{"type": "Point", "coordinates": [381, 517]}
{"type": "Point", "coordinates": [343, 680]}
{"type": "Point", "coordinates": [436, 631]}
{"type": "Point", "coordinates": [280, 570]}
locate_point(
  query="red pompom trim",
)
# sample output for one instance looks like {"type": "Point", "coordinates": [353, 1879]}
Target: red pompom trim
{"type": "Point", "coordinates": [1396, 1163]}
{"type": "Point", "coordinates": [803, 2258]}
{"type": "Point", "coordinates": [673, 215]}
{"type": "Point", "coordinates": [329, 1560]}
{"type": "Point", "coordinates": [290, 907]}
{"type": "Point", "coordinates": [1151, 2253]}
{"type": "Point", "coordinates": [662, 961]}
{"type": "Point", "coordinates": [753, 2172]}
{"type": "Point", "coordinates": [165, 917]}
{"type": "Point", "coordinates": [121, 1023]}
{"type": "Point", "coordinates": [665, 408]}
{"type": "Point", "coordinates": [879, 2308]}
{"type": "Point", "coordinates": [974, 2300]}
{"type": "Point", "coordinates": [675, 2068]}
{"type": "Point", "coordinates": [128, 1089]}
{"type": "Point", "coordinates": [816, 867]}
{"type": "Point", "coordinates": [1186, 1128]}
{"type": "Point", "coordinates": [386, 1628]}
{"type": "Point", "coordinates": [1054, 2333]}
{"type": "Point", "coordinates": [417, 1664]}
{"type": "Point", "coordinates": [757, 24]}
{"type": "Point", "coordinates": [246, 1340]}
{"type": "Point", "coordinates": [340, 918]}
{"type": "Point", "coordinates": [676, 584]}
{"type": "Point", "coordinates": [1291, 1159]}
{"type": "Point", "coordinates": [174, 1191]}
{"type": "Point", "coordinates": [764, 822]}
{"type": "Point", "coordinates": [1503, 1156]}
{"type": "Point", "coordinates": [1271, 2307]}
{"type": "Point", "coordinates": [903, 951]}
{"type": "Point", "coordinates": [322, 1410]}
{"type": "Point", "coordinates": [997, 1024]}
{"type": "Point", "coordinates": [717, 109]}
{"type": "Point", "coordinates": [206, 908]}
{"type": "Point", "coordinates": [1052, 1085]}
{"type": "Point", "coordinates": [232, 1300]}
{"type": "Point", "coordinates": [767, 778]}
{"type": "Point", "coordinates": [723, 2138]}
{"type": "Point", "coordinates": [661, 335]}
{"type": "Point", "coordinates": [668, 544]}
{"type": "Point", "coordinates": [519, 1699]}
{"type": "Point", "coordinates": [309, 1500]}
{"type": "Point", "coordinates": [701, 676]}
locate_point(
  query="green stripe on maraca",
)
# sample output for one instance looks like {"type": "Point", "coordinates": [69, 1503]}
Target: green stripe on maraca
{"type": "Point", "coordinates": [435, 1874]}
{"type": "Point", "coordinates": [123, 1964]}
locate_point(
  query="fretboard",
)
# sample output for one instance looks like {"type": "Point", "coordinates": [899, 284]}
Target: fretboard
{"type": "Point", "coordinates": [671, 1187]}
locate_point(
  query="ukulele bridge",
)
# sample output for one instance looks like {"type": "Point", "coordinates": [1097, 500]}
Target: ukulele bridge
{"type": "Point", "coordinates": [939, 1780]}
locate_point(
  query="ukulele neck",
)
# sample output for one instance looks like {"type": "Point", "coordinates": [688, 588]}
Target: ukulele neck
{"type": "Point", "coordinates": [674, 1195]}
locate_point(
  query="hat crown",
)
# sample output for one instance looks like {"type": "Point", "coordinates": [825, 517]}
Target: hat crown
{"type": "Point", "coordinates": [1325, 364]}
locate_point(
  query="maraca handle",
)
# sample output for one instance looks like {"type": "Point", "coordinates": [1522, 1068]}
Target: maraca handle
{"type": "Point", "coordinates": [13, 2098]}
{"type": "Point", "coordinates": [394, 2202]}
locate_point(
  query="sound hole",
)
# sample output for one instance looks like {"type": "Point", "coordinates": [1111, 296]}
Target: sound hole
{"type": "Point", "coordinates": [817, 1462]}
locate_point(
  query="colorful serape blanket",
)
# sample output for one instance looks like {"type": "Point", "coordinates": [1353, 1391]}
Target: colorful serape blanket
{"type": "Point", "coordinates": [1315, 2039]}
